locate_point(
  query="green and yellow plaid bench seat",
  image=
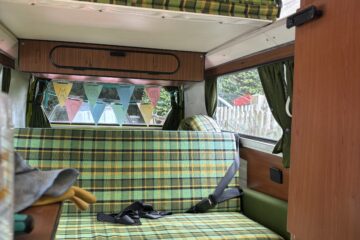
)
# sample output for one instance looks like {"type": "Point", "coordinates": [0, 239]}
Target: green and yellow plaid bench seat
{"type": "Point", "coordinates": [215, 225]}
{"type": "Point", "coordinates": [172, 170]}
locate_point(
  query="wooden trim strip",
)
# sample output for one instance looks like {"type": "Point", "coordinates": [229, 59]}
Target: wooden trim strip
{"type": "Point", "coordinates": [7, 61]}
{"type": "Point", "coordinates": [274, 54]}
{"type": "Point", "coordinates": [258, 173]}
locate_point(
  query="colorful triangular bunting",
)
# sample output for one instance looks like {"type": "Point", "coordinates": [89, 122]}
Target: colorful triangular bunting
{"type": "Point", "coordinates": [146, 110]}
{"type": "Point", "coordinates": [97, 111]}
{"type": "Point", "coordinates": [153, 94]}
{"type": "Point", "coordinates": [120, 113]}
{"type": "Point", "coordinates": [72, 107]}
{"type": "Point", "coordinates": [92, 92]}
{"type": "Point", "coordinates": [62, 90]}
{"type": "Point", "coordinates": [125, 92]}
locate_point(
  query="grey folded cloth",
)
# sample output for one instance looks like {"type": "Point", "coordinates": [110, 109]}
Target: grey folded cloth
{"type": "Point", "coordinates": [31, 183]}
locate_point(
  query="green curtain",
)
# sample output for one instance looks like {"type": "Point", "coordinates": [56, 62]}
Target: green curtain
{"type": "Point", "coordinates": [289, 67]}
{"type": "Point", "coordinates": [6, 79]}
{"type": "Point", "coordinates": [35, 116]}
{"type": "Point", "coordinates": [211, 95]}
{"type": "Point", "coordinates": [176, 113]}
{"type": "Point", "coordinates": [277, 81]}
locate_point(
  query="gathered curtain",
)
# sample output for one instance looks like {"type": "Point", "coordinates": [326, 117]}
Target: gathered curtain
{"type": "Point", "coordinates": [176, 113]}
{"type": "Point", "coordinates": [277, 82]}
{"type": "Point", "coordinates": [211, 95]}
{"type": "Point", "coordinates": [35, 116]}
{"type": "Point", "coordinates": [6, 79]}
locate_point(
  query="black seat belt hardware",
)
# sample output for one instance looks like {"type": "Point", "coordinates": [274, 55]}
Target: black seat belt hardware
{"type": "Point", "coordinates": [131, 214]}
{"type": "Point", "coordinates": [303, 16]}
{"type": "Point", "coordinates": [203, 206]}
{"type": "Point", "coordinates": [222, 192]}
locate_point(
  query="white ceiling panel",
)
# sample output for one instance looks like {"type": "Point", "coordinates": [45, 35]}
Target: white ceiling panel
{"type": "Point", "coordinates": [265, 38]}
{"type": "Point", "coordinates": [75, 21]}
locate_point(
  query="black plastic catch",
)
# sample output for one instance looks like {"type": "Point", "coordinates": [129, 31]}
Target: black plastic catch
{"type": "Point", "coordinates": [303, 16]}
{"type": "Point", "coordinates": [201, 207]}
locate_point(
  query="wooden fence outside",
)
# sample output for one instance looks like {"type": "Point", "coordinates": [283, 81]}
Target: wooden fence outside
{"type": "Point", "coordinates": [254, 119]}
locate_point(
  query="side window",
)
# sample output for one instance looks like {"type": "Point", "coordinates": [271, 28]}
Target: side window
{"type": "Point", "coordinates": [242, 106]}
{"type": "Point", "coordinates": [134, 116]}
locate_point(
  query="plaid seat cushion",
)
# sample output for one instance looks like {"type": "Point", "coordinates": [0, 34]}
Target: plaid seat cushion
{"type": "Point", "coordinates": [257, 9]}
{"type": "Point", "coordinates": [169, 169]}
{"type": "Point", "coordinates": [199, 123]}
{"type": "Point", "coordinates": [224, 225]}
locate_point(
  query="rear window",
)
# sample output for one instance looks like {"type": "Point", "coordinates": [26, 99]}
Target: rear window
{"type": "Point", "coordinates": [78, 110]}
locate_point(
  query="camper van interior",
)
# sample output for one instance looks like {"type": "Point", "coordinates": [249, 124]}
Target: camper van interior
{"type": "Point", "coordinates": [179, 119]}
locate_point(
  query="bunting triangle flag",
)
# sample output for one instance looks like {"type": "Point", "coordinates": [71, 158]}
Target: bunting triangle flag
{"type": "Point", "coordinates": [153, 94]}
{"type": "Point", "coordinates": [125, 92]}
{"type": "Point", "coordinates": [146, 110]}
{"type": "Point", "coordinates": [62, 90]}
{"type": "Point", "coordinates": [97, 111]}
{"type": "Point", "coordinates": [120, 113]}
{"type": "Point", "coordinates": [72, 107]}
{"type": "Point", "coordinates": [92, 92]}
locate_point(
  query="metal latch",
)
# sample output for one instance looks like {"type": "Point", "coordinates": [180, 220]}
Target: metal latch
{"type": "Point", "coordinates": [303, 16]}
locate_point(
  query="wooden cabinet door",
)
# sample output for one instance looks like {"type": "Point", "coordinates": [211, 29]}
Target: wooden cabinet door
{"type": "Point", "coordinates": [324, 193]}
{"type": "Point", "coordinates": [128, 64]}
{"type": "Point", "coordinates": [108, 59]}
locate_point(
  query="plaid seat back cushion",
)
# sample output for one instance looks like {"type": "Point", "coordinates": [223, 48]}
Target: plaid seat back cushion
{"type": "Point", "coordinates": [169, 169]}
{"type": "Point", "coordinates": [199, 123]}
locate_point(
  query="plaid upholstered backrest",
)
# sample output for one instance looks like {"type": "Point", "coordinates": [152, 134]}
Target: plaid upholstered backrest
{"type": "Point", "coordinates": [199, 123]}
{"type": "Point", "coordinates": [170, 169]}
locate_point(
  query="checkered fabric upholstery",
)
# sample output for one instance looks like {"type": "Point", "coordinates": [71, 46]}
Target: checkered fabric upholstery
{"type": "Point", "coordinates": [169, 169]}
{"type": "Point", "coordinates": [199, 123]}
{"type": "Point", "coordinates": [257, 9]}
{"type": "Point", "coordinates": [216, 225]}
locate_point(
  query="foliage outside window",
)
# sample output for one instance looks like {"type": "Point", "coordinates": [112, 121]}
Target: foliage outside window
{"type": "Point", "coordinates": [57, 114]}
{"type": "Point", "coordinates": [242, 106]}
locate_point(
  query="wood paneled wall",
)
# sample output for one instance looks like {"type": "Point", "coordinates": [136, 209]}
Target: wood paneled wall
{"type": "Point", "coordinates": [324, 193]}
{"type": "Point", "coordinates": [6, 61]}
{"type": "Point", "coordinates": [109, 61]}
{"type": "Point", "coordinates": [258, 173]}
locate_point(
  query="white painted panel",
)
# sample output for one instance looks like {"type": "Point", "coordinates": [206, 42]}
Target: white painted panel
{"type": "Point", "coordinates": [8, 42]}
{"type": "Point", "coordinates": [76, 21]}
{"type": "Point", "coordinates": [243, 48]}
{"type": "Point", "coordinates": [289, 7]}
{"type": "Point", "coordinates": [281, 35]}
{"type": "Point", "coordinates": [18, 94]}
{"type": "Point", "coordinates": [195, 99]}
{"type": "Point", "coordinates": [268, 37]}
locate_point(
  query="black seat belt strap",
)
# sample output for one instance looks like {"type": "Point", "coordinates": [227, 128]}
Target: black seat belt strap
{"type": "Point", "coordinates": [220, 194]}
{"type": "Point", "coordinates": [131, 214]}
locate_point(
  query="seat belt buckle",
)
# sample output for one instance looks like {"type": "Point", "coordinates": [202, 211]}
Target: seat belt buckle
{"type": "Point", "coordinates": [203, 206]}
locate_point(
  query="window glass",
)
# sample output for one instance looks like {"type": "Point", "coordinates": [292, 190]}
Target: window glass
{"type": "Point", "coordinates": [242, 106]}
{"type": "Point", "coordinates": [108, 95]}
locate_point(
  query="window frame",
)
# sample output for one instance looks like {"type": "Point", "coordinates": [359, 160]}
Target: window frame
{"type": "Point", "coordinates": [243, 135]}
{"type": "Point", "coordinates": [101, 124]}
{"type": "Point", "coordinates": [268, 56]}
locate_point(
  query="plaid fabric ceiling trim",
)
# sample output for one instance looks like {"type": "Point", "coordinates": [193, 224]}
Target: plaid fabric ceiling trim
{"type": "Point", "coordinates": [257, 9]}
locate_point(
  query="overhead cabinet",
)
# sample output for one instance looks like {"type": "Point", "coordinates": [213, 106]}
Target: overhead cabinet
{"type": "Point", "coordinates": [109, 61]}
